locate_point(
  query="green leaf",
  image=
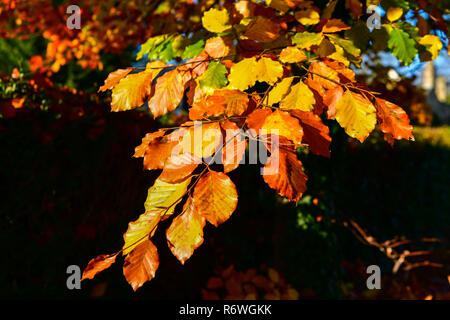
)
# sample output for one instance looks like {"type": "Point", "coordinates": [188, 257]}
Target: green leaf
{"type": "Point", "coordinates": [158, 48]}
{"type": "Point", "coordinates": [401, 44]}
{"type": "Point", "coordinates": [194, 49]}
{"type": "Point", "coordinates": [213, 78]}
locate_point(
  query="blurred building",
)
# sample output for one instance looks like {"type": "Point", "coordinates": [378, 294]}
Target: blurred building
{"type": "Point", "coordinates": [436, 89]}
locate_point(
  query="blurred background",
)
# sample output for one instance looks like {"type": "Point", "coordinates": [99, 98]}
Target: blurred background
{"type": "Point", "coordinates": [70, 186]}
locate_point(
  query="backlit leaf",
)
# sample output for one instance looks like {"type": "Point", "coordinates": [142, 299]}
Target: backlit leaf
{"type": "Point", "coordinates": [179, 167]}
{"type": "Point", "coordinates": [268, 70]}
{"type": "Point", "coordinates": [315, 133]}
{"type": "Point", "coordinates": [300, 97]}
{"type": "Point", "coordinates": [283, 171]}
{"type": "Point", "coordinates": [131, 91]}
{"type": "Point", "coordinates": [213, 78]}
{"type": "Point", "coordinates": [393, 120]}
{"type": "Point", "coordinates": [141, 264]}
{"type": "Point", "coordinates": [185, 234]}
{"type": "Point", "coordinates": [356, 115]}
{"type": "Point", "coordinates": [98, 264]}
{"type": "Point", "coordinates": [169, 90]}
{"type": "Point", "coordinates": [140, 230]}
{"type": "Point", "coordinates": [215, 20]}
{"type": "Point", "coordinates": [242, 75]}
{"type": "Point", "coordinates": [114, 78]}
{"type": "Point", "coordinates": [279, 91]}
{"type": "Point", "coordinates": [402, 46]}
{"type": "Point", "coordinates": [305, 40]}
{"type": "Point", "coordinates": [281, 123]}
{"type": "Point", "coordinates": [234, 148]}
{"type": "Point", "coordinates": [292, 55]}
{"type": "Point", "coordinates": [202, 140]}
{"type": "Point", "coordinates": [215, 197]}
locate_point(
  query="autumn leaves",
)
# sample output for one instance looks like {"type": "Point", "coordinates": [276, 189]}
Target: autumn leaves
{"type": "Point", "coordinates": [250, 82]}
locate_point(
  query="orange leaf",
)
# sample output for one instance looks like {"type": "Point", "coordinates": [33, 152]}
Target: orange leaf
{"type": "Point", "coordinates": [139, 151]}
{"type": "Point", "coordinates": [141, 264]}
{"type": "Point", "coordinates": [228, 102]}
{"type": "Point", "coordinates": [216, 197]}
{"type": "Point", "coordinates": [334, 25]}
{"type": "Point", "coordinates": [393, 120]}
{"type": "Point", "coordinates": [169, 90]}
{"type": "Point", "coordinates": [96, 265]}
{"type": "Point", "coordinates": [321, 71]}
{"type": "Point", "coordinates": [17, 103]}
{"type": "Point", "coordinates": [156, 148]}
{"type": "Point", "coordinates": [256, 119]}
{"type": "Point", "coordinates": [114, 78]}
{"type": "Point", "coordinates": [283, 171]}
{"type": "Point", "coordinates": [234, 148]}
{"type": "Point", "coordinates": [316, 134]}
{"type": "Point", "coordinates": [331, 98]}
{"type": "Point", "coordinates": [185, 234]}
{"type": "Point", "coordinates": [218, 47]}
{"type": "Point", "coordinates": [179, 167]}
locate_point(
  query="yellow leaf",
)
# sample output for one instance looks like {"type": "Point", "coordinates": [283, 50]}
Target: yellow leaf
{"type": "Point", "coordinates": [202, 140]}
{"type": "Point", "coordinates": [131, 91]}
{"type": "Point", "coordinates": [140, 230]}
{"type": "Point", "coordinates": [300, 97]}
{"type": "Point", "coordinates": [279, 91]}
{"type": "Point", "coordinates": [305, 40]}
{"type": "Point", "coordinates": [433, 44]}
{"type": "Point", "coordinates": [356, 115]}
{"type": "Point", "coordinates": [164, 196]}
{"type": "Point", "coordinates": [339, 55]}
{"type": "Point", "coordinates": [307, 17]}
{"type": "Point", "coordinates": [161, 201]}
{"type": "Point", "coordinates": [394, 13]}
{"type": "Point", "coordinates": [185, 234]}
{"type": "Point", "coordinates": [282, 124]}
{"type": "Point", "coordinates": [267, 70]}
{"type": "Point", "coordinates": [215, 20]}
{"type": "Point", "coordinates": [241, 75]}
{"type": "Point", "coordinates": [292, 55]}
